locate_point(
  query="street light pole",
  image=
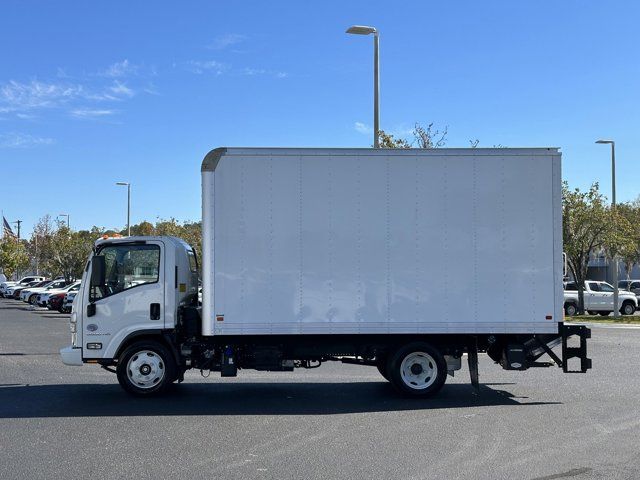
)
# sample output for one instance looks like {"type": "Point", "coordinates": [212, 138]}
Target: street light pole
{"type": "Point", "coordinates": [364, 30]}
{"type": "Point", "coordinates": [616, 309]}
{"type": "Point", "coordinates": [17, 223]}
{"type": "Point", "coordinates": [128, 206]}
{"type": "Point", "coordinates": [376, 90]}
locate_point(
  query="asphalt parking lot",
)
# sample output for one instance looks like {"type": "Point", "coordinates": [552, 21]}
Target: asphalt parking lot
{"type": "Point", "coordinates": [338, 421]}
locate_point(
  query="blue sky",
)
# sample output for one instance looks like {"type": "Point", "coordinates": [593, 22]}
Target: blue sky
{"type": "Point", "coordinates": [94, 93]}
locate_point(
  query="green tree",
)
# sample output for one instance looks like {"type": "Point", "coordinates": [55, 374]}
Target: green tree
{"type": "Point", "coordinates": [145, 229]}
{"type": "Point", "coordinates": [13, 256]}
{"type": "Point", "coordinates": [585, 226]}
{"type": "Point", "coordinates": [630, 250]}
{"type": "Point", "coordinates": [56, 250]}
{"type": "Point", "coordinates": [386, 140]}
{"type": "Point", "coordinates": [69, 252]}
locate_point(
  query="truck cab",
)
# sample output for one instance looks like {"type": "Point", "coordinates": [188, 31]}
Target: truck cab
{"type": "Point", "coordinates": [131, 287]}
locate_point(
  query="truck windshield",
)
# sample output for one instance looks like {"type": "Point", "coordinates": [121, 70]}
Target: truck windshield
{"type": "Point", "coordinates": [127, 266]}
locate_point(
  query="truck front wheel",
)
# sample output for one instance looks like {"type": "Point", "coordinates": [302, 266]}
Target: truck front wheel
{"type": "Point", "coordinates": [417, 370]}
{"type": "Point", "coordinates": [146, 368]}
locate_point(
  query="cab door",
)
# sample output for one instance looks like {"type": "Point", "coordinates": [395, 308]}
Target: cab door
{"type": "Point", "coordinates": [129, 297]}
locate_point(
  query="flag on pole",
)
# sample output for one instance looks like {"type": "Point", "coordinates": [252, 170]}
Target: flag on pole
{"type": "Point", "coordinates": [7, 228]}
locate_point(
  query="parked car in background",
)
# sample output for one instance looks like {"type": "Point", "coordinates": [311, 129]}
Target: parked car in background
{"type": "Point", "coordinates": [43, 297]}
{"type": "Point", "coordinates": [631, 286]}
{"type": "Point", "coordinates": [67, 303]}
{"type": "Point", "coordinates": [15, 290]}
{"type": "Point", "coordinates": [598, 298]}
{"type": "Point", "coordinates": [56, 301]}
{"type": "Point", "coordinates": [30, 295]}
{"type": "Point", "coordinates": [24, 281]}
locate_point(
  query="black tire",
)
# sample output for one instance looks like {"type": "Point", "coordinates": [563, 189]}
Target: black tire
{"type": "Point", "coordinates": [628, 308]}
{"type": "Point", "coordinates": [381, 365]}
{"type": "Point", "coordinates": [604, 314]}
{"type": "Point", "coordinates": [33, 299]}
{"type": "Point", "coordinates": [429, 362]}
{"type": "Point", "coordinates": [592, 312]}
{"type": "Point", "coordinates": [570, 309]}
{"type": "Point", "coordinates": [161, 365]}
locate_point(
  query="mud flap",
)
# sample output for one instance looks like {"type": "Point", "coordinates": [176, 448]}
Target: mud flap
{"type": "Point", "coordinates": [472, 357]}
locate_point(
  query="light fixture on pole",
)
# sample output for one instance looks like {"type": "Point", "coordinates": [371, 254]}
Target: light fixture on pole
{"type": "Point", "coordinates": [65, 215]}
{"type": "Point", "coordinates": [18, 223]}
{"type": "Point", "coordinates": [364, 30]}
{"type": "Point", "coordinates": [616, 308]}
{"type": "Point", "coordinates": [128, 205]}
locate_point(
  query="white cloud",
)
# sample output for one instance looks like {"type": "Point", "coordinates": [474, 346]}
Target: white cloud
{"type": "Point", "coordinates": [22, 140]}
{"type": "Point", "coordinates": [17, 96]}
{"type": "Point", "coordinates": [254, 71]}
{"type": "Point", "coordinates": [120, 69]}
{"type": "Point", "coordinates": [121, 89]}
{"type": "Point", "coordinates": [363, 128]}
{"type": "Point", "coordinates": [91, 113]}
{"type": "Point", "coordinates": [223, 41]}
{"type": "Point", "coordinates": [207, 66]}
{"type": "Point", "coordinates": [261, 71]}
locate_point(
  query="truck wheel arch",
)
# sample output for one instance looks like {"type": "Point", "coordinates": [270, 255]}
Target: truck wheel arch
{"type": "Point", "coordinates": [157, 335]}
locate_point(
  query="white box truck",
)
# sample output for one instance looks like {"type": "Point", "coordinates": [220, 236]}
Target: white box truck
{"type": "Point", "coordinates": [401, 259]}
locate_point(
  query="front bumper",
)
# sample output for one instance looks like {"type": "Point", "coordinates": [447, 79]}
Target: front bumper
{"type": "Point", "coordinates": [71, 356]}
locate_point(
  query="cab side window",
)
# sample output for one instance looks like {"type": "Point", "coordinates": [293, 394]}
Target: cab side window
{"type": "Point", "coordinates": [126, 267]}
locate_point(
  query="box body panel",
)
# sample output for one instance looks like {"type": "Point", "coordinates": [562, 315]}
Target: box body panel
{"type": "Point", "coordinates": [347, 241]}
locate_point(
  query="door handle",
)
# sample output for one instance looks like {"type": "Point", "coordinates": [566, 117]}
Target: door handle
{"type": "Point", "coordinates": [154, 311]}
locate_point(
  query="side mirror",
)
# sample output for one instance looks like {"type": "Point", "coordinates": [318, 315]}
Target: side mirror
{"type": "Point", "coordinates": [98, 271]}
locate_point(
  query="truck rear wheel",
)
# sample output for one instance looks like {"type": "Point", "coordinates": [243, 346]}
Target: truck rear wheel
{"type": "Point", "coordinates": [381, 364]}
{"type": "Point", "coordinates": [146, 368]}
{"type": "Point", "coordinates": [417, 369]}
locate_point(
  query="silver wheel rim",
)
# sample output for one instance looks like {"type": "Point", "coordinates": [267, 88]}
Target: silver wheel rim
{"type": "Point", "coordinates": [145, 369]}
{"type": "Point", "coordinates": [418, 370]}
{"type": "Point", "coordinates": [571, 310]}
{"type": "Point", "coordinates": [628, 309]}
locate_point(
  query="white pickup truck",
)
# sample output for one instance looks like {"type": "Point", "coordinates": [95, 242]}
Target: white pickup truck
{"type": "Point", "coordinates": [598, 298]}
